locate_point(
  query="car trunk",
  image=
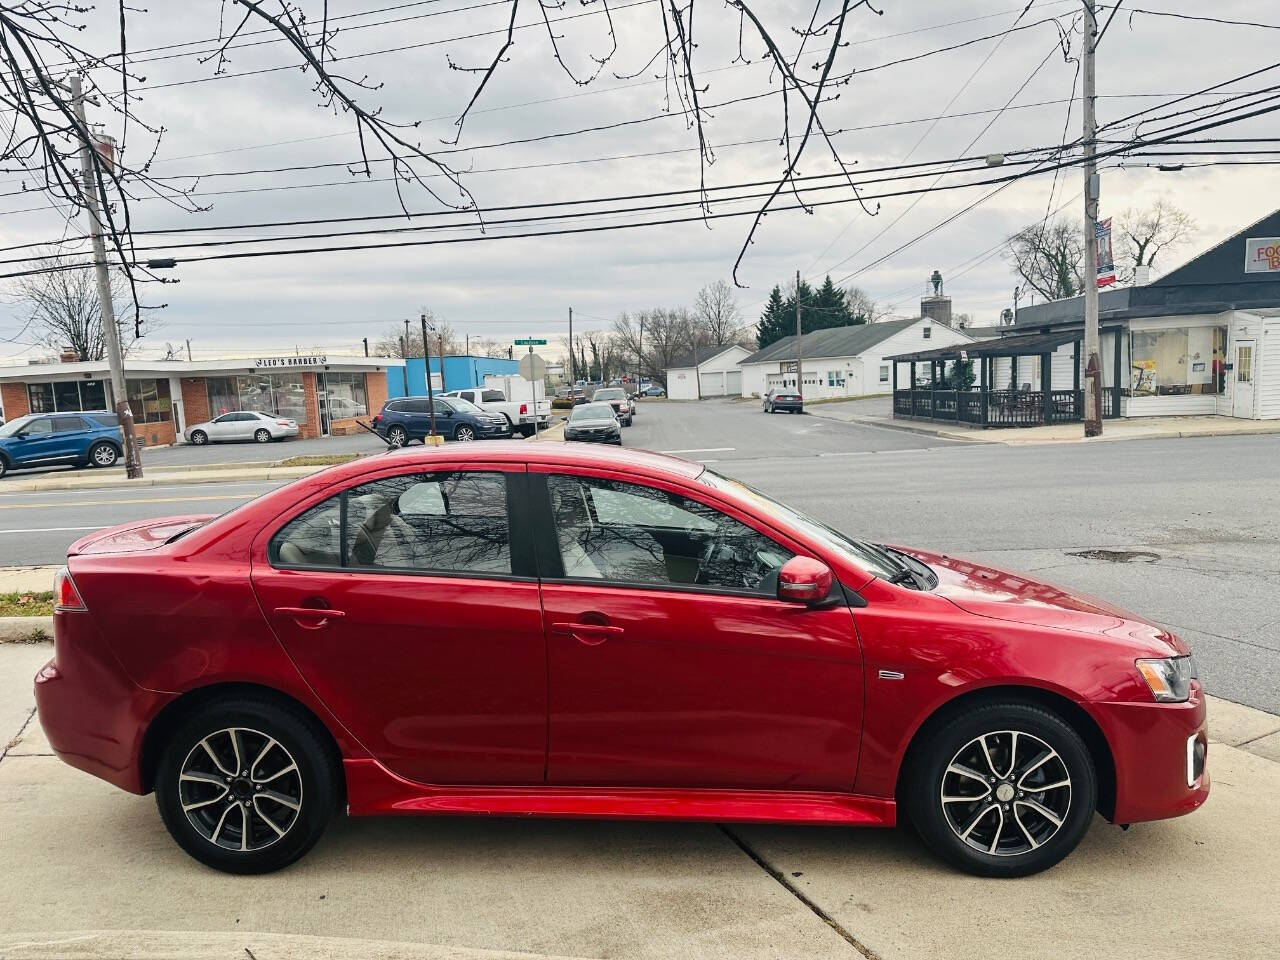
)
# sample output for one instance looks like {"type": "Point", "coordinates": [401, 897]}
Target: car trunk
{"type": "Point", "coordinates": [136, 537]}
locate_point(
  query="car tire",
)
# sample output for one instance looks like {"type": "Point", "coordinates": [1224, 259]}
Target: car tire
{"type": "Point", "coordinates": [528, 429]}
{"type": "Point", "coordinates": [4, 467]}
{"type": "Point", "coordinates": [511, 427]}
{"type": "Point", "coordinates": [464, 434]}
{"type": "Point", "coordinates": [103, 455]}
{"type": "Point", "coordinates": [199, 438]}
{"type": "Point", "coordinates": [282, 752]}
{"type": "Point", "coordinates": [262, 435]}
{"type": "Point", "coordinates": [397, 436]}
{"type": "Point", "coordinates": [978, 771]}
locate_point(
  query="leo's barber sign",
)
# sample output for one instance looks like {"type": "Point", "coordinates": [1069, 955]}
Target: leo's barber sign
{"type": "Point", "coordinates": [1262, 255]}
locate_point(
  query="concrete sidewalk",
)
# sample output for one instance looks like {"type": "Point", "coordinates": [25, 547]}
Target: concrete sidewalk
{"type": "Point", "coordinates": [87, 871]}
{"type": "Point", "coordinates": [1134, 428]}
{"type": "Point", "coordinates": [156, 477]}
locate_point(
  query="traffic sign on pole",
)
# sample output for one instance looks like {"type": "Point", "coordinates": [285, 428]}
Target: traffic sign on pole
{"type": "Point", "coordinates": [532, 367]}
{"type": "Point", "coordinates": [531, 342]}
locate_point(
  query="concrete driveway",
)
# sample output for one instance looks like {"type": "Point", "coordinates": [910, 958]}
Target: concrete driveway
{"type": "Point", "coordinates": [88, 871]}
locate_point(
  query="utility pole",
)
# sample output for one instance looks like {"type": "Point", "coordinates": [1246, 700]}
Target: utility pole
{"type": "Point", "coordinates": [1093, 362]}
{"type": "Point", "coordinates": [106, 308]}
{"type": "Point", "coordinates": [426, 363]}
{"type": "Point", "coordinates": [640, 355]}
{"type": "Point", "coordinates": [366, 345]}
{"type": "Point", "coordinates": [573, 380]}
{"type": "Point", "coordinates": [189, 350]}
{"type": "Point", "coordinates": [404, 369]}
{"type": "Point", "coordinates": [799, 346]}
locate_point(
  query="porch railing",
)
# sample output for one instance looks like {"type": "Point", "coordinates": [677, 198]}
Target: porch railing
{"type": "Point", "coordinates": [993, 408]}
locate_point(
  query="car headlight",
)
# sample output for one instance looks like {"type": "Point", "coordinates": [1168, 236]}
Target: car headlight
{"type": "Point", "coordinates": [1169, 679]}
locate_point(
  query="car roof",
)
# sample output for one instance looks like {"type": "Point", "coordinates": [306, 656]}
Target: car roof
{"type": "Point", "coordinates": [524, 451]}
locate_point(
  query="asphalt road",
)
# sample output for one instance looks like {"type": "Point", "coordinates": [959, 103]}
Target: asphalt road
{"type": "Point", "coordinates": [1199, 513]}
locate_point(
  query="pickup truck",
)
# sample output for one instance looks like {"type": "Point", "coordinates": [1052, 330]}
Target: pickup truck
{"type": "Point", "coordinates": [521, 414]}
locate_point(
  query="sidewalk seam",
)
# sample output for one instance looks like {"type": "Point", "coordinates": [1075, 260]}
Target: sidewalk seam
{"type": "Point", "coordinates": [800, 895]}
{"type": "Point", "coordinates": [17, 737]}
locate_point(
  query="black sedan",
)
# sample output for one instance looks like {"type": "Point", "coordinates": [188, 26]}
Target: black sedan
{"type": "Point", "coordinates": [594, 423]}
{"type": "Point", "coordinates": [782, 399]}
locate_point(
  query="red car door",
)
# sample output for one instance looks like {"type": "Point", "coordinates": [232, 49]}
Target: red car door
{"type": "Point", "coordinates": [411, 606]}
{"type": "Point", "coordinates": [672, 662]}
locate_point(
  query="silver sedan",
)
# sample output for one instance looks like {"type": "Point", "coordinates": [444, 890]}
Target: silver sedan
{"type": "Point", "coordinates": [242, 425]}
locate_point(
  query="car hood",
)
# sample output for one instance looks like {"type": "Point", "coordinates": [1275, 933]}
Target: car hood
{"type": "Point", "coordinates": [1001, 595]}
{"type": "Point", "coordinates": [137, 536]}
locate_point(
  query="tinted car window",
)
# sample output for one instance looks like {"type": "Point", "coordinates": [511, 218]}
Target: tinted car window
{"type": "Point", "coordinates": [447, 522]}
{"type": "Point", "coordinates": [627, 533]}
{"type": "Point", "coordinates": [493, 396]}
{"type": "Point", "coordinates": [67, 424]}
{"type": "Point", "coordinates": [104, 419]}
{"type": "Point", "coordinates": [312, 539]}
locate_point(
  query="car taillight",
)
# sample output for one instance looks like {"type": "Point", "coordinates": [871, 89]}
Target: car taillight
{"type": "Point", "coordinates": [283, 423]}
{"type": "Point", "coordinates": [377, 418]}
{"type": "Point", "coordinates": [64, 589]}
{"type": "Point", "coordinates": [524, 408]}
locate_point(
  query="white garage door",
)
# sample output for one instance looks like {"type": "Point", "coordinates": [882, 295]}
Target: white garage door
{"type": "Point", "coordinates": [712, 384]}
{"type": "Point", "coordinates": [733, 383]}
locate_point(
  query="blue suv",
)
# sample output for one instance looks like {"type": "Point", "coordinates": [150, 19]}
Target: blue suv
{"type": "Point", "coordinates": [88, 439]}
{"type": "Point", "coordinates": [409, 418]}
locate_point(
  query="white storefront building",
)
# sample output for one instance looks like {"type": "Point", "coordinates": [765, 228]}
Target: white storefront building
{"type": "Point", "coordinates": [707, 372]}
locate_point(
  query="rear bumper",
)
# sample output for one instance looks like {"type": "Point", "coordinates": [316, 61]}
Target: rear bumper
{"type": "Point", "coordinates": [93, 715]}
{"type": "Point", "coordinates": [1155, 746]}
{"type": "Point", "coordinates": [789, 405]}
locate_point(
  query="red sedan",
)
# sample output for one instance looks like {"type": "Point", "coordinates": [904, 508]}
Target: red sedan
{"type": "Point", "coordinates": [547, 630]}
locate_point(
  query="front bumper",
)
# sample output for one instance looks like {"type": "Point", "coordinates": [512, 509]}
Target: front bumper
{"type": "Point", "coordinates": [1157, 748]}
{"type": "Point", "coordinates": [613, 435]}
{"type": "Point", "coordinates": [493, 429]}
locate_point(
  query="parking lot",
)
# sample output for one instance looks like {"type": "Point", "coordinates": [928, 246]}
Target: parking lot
{"type": "Point", "coordinates": [88, 870]}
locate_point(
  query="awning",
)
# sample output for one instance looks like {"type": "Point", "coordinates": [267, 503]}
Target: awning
{"type": "Point", "coordinates": [1023, 345]}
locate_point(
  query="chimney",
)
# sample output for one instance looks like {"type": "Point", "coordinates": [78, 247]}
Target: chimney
{"type": "Point", "coordinates": [935, 305]}
{"type": "Point", "coordinates": [68, 356]}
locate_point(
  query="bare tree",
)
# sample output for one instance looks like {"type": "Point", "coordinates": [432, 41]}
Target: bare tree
{"type": "Point", "coordinates": [862, 306]}
{"type": "Point", "coordinates": [1049, 256]}
{"type": "Point", "coordinates": [490, 347]}
{"type": "Point", "coordinates": [1141, 236]}
{"type": "Point", "coordinates": [668, 336]}
{"type": "Point", "coordinates": [718, 319]}
{"type": "Point", "coordinates": [389, 344]}
{"type": "Point", "coordinates": [62, 311]}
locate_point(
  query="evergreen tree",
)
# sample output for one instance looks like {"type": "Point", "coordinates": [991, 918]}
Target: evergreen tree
{"type": "Point", "coordinates": [774, 324]}
{"type": "Point", "coordinates": [829, 308]}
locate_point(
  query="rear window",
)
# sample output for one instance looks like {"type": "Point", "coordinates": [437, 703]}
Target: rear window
{"type": "Point", "coordinates": [493, 396]}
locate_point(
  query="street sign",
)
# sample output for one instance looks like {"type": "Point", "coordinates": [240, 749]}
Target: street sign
{"type": "Point", "coordinates": [532, 367]}
{"type": "Point", "coordinates": [530, 342]}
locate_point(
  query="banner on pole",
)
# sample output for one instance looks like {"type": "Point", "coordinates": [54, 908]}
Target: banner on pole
{"type": "Point", "coordinates": [1106, 261]}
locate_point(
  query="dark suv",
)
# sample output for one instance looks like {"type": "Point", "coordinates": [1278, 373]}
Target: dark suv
{"type": "Point", "coordinates": [88, 439]}
{"type": "Point", "coordinates": [409, 418]}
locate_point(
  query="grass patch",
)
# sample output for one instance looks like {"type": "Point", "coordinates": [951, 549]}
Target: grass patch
{"type": "Point", "coordinates": [37, 603]}
{"type": "Point", "coordinates": [320, 460]}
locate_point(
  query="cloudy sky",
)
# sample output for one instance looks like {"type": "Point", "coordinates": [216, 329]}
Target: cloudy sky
{"type": "Point", "coordinates": [223, 128]}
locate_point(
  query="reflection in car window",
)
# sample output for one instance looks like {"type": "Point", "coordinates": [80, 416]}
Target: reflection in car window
{"type": "Point", "coordinates": [446, 522]}
{"type": "Point", "coordinates": [442, 522]}
{"type": "Point", "coordinates": [627, 533]}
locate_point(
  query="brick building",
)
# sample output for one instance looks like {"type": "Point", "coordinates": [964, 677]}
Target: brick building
{"type": "Point", "coordinates": [325, 394]}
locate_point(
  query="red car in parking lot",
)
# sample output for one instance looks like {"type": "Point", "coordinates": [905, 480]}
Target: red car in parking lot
{"type": "Point", "coordinates": [551, 630]}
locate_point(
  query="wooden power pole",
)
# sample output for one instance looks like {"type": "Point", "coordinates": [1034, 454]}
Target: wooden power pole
{"type": "Point", "coordinates": [1093, 360]}
{"type": "Point", "coordinates": [106, 307]}
{"type": "Point", "coordinates": [799, 346]}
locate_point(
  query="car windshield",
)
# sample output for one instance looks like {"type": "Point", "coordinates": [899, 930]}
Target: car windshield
{"type": "Point", "coordinates": [592, 411]}
{"type": "Point", "coordinates": [610, 394]}
{"type": "Point", "coordinates": [866, 555]}
{"type": "Point", "coordinates": [13, 426]}
{"type": "Point", "coordinates": [462, 406]}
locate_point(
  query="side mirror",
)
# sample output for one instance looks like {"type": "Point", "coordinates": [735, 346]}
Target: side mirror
{"type": "Point", "coordinates": [804, 580]}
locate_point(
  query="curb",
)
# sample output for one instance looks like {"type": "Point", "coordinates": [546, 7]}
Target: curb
{"type": "Point", "coordinates": [227, 474]}
{"type": "Point", "coordinates": [904, 428]}
{"type": "Point", "coordinates": [26, 629]}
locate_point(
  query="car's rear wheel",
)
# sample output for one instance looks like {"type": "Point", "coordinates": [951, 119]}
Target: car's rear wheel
{"type": "Point", "coordinates": [4, 467]}
{"type": "Point", "coordinates": [262, 435]}
{"type": "Point", "coordinates": [464, 433]}
{"type": "Point", "coordinates": [199, 438]}
{"type": "Point", "coordinates": [103, 455]}
{"type": "Point", "coordinates": [397, 436]}
{"type": "Point", "coordinates": [1004, 790]}
{"type": "Point", "coordinates": [247, 785]}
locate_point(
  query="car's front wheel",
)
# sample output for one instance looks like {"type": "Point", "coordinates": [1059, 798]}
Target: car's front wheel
{"type": "Point", "coordinates": [247, 785]}
{"type": "Point", "coordinates": [1004, 790]}
{"type": "Point", "coordinates": [464, 433]}
{"type": "Point", "coordinates": [103, 455]}
{"type": "Point", "coordinates": [4, 467]}
{"type": "Point", "coordinates": [199, 438]}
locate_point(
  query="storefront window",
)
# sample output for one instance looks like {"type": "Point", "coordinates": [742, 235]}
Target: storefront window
{"type": "Point", "coordinates": [345, 395]}
{"type": "Point", "coordinates": [66, 396]}
{"type": "Point", "coordinates": [279, 394]}
{"type": "Point", "coordinates": [1177, 361]}
{"type": "Point", "coordinates": [149, 400]}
